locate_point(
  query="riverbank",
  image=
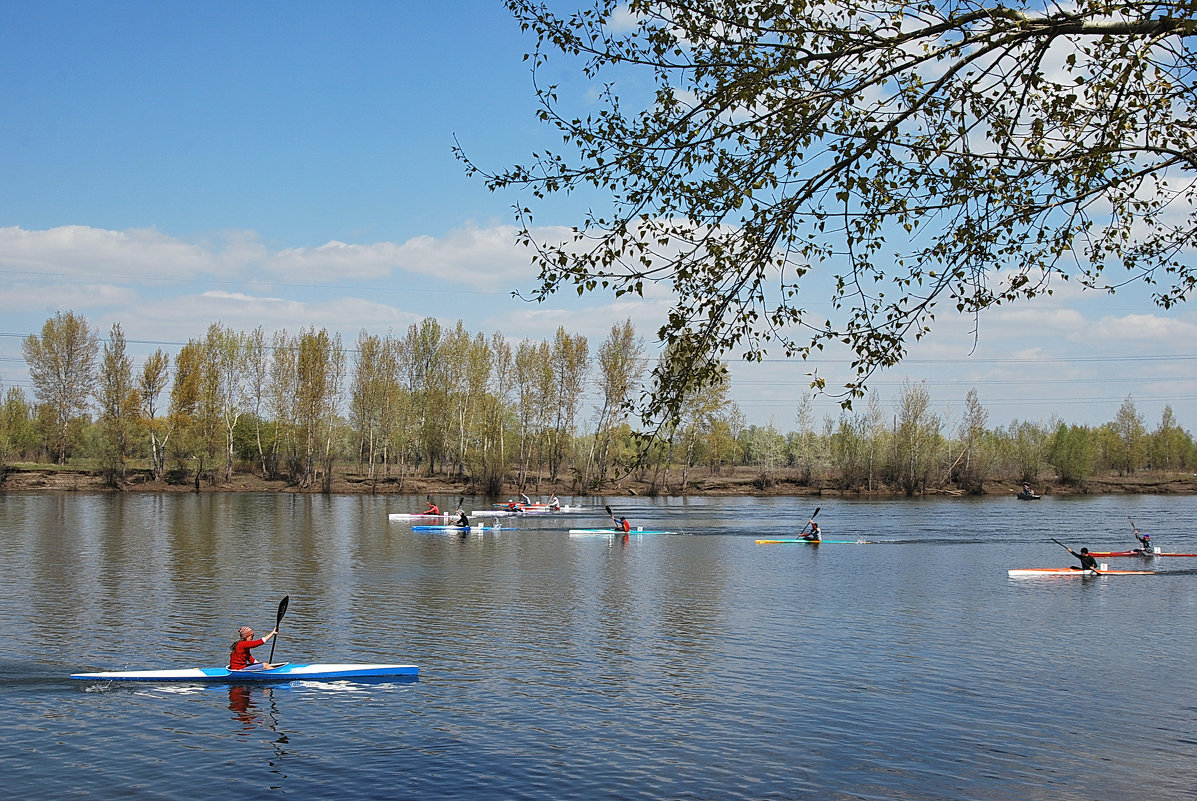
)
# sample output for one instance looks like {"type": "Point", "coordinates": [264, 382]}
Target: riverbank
{"type": "Point", "coordinates": [729, 482]}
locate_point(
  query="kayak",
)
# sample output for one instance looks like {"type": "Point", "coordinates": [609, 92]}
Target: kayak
{"type": "Point", "coordinates": [534, 509]}
{"type": "Point", "coordinates": [1027, 496]}
{"type": "Point", "coordinates": [598, 532]}
{"type": "Point", "coordinates": [495, 527]}
{"type": "Point", "coordinates": [1146, 555]}
{"type": "Point", "coordinates": [422, 516]}
{"type": "Point", "coordinates": [800, 541]}
{"type": "Point", "coordinates": [288, 671]}
{"type": "Point", "coordinates": [1068, 571]}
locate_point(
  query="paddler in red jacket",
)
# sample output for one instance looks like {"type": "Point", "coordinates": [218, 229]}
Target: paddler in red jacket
{"type": "Point", "coordinates": [815, 535]}
{"type": "Point", "coordinates": [240, 657]}
{"type": "Point", "coordinates": [432, 508]}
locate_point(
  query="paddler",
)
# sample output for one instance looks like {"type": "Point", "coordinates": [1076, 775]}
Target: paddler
{"type": "Point", "coordinates": [432, 508]}
{"type": "Point", "coordinates": [462, 520]}
{"type": "Point", "coordinates": [1087, 560]}
{"type": "Point", "coordinates": [240, 657]}
{"type": "Point", "coordinates": [621, 524]}
{"type": "Point", "coordinates": [815, 534]}
{"type": "Point", "coordinates": [1144, 541]}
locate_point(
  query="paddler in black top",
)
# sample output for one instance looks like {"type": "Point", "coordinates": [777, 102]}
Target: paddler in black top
{"type": "Point", "coordinates": [1144, 540]}
{"type": "Point", "coordinates": [1087, 560]}
{"type": "Point", "coordinates": [815, 535]}
{"type": "Point", "coordinates": [462, 520]}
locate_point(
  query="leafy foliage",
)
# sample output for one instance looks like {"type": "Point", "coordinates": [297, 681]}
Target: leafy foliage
{"type": "Point", "coordinates": [908, 154]}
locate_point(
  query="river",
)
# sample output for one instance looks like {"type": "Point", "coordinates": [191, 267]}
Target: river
{"type": "Point", "coordinates": [699, 665]}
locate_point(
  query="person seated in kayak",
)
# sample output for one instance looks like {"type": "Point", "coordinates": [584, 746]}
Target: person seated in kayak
{"type": "Point", "coordinates": [621, 524]}
{"type": "Point", "coordinates": [432, 509]}
{"type": "Point", "coordinates": [512, 506]}
{"type": "Point", "coordinates": [462, 520]}
{"type": "Point", "coordinates": [1144, 541]}
{"type": "Point", "coordinates": [526, 500]}
{"type": "Point", "coordinates": [1026, 489]}
{"type": "Point", "coordinates": [1087, 560]}
{"type": "Point", "coordinates": [815, 534]}
{"type": "Point", "coordinates": [554, 504]}
{"type": "Point", "coordinates": [240, 656]}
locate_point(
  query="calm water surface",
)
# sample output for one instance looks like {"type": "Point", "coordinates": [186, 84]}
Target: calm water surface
{"type": "Point", "coordinates": [696, 666]}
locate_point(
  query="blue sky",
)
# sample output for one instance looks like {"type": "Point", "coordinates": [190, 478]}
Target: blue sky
{"type": "Point", "coordinates": [170, 165]}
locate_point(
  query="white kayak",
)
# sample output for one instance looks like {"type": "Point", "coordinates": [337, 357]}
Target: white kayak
{"type": "Point", "coordinates": [289, 671]}
{"type": "Point", "coordinates": [443, 516]}
{"type": "Point", "coordinates": [610, 532]}
{"type": "Point", "coordinates": [1048, 572]}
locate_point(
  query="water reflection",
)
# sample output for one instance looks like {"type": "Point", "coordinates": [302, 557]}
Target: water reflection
{"type": "Point", "coordinates": [568, 668]}
{"type": "Point", "coordinates": [245, 702]}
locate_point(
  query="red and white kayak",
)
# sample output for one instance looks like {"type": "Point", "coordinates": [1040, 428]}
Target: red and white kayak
{"type": "Point", "coordinates": [422, 516]}
{"type": "Point", "coordinates": [534, 508]}
{"type": "Point", "coordinates": [1137, 552]}
{"type": "Point", "coordinates": [1052, 572]}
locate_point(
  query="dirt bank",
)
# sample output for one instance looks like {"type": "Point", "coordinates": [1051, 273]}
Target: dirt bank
{"type": "Point", "coordinates": [738, 482]}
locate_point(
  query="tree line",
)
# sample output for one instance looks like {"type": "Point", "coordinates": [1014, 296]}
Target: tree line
{"type": "Point", "coordinates": [552, 415]}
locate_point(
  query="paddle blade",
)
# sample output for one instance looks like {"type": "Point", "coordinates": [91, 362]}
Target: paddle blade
{"type": "Point", "coordinates": [609, 512]}
{"type": "Point", "coordinates": [282, 610]}
{"type": "Point", "coordinates": [816, 513]}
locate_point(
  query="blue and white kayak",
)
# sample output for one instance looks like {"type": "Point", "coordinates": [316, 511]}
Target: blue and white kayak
{"type": "Point", "coordinates": [288, 671]}
{"type": "Point", "coordinates": [460, 529]}
{"type": "Point", "coordinates": [610, 532]}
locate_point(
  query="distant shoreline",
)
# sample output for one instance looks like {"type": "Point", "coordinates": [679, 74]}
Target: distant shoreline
{"type": "Point", "coordinates": [742, 482]}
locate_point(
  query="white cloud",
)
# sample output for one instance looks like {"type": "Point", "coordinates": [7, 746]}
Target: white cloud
{"type": "Point", "coordinates": [485, 258]}
{"type": "Point", "coordinates": [82, 250]}
{"type": "Point", "coordinates": [46, 299]}
{"type": "Point", "coordinates": [1143, 327]}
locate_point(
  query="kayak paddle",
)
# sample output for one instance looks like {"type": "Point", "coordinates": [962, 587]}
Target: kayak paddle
{"type": "Point", "coordinates": [618, 526]}
{"type": "Point", "coordinates": [282, 610]}
{"type": "Point", "coordinates": [808, 522]}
